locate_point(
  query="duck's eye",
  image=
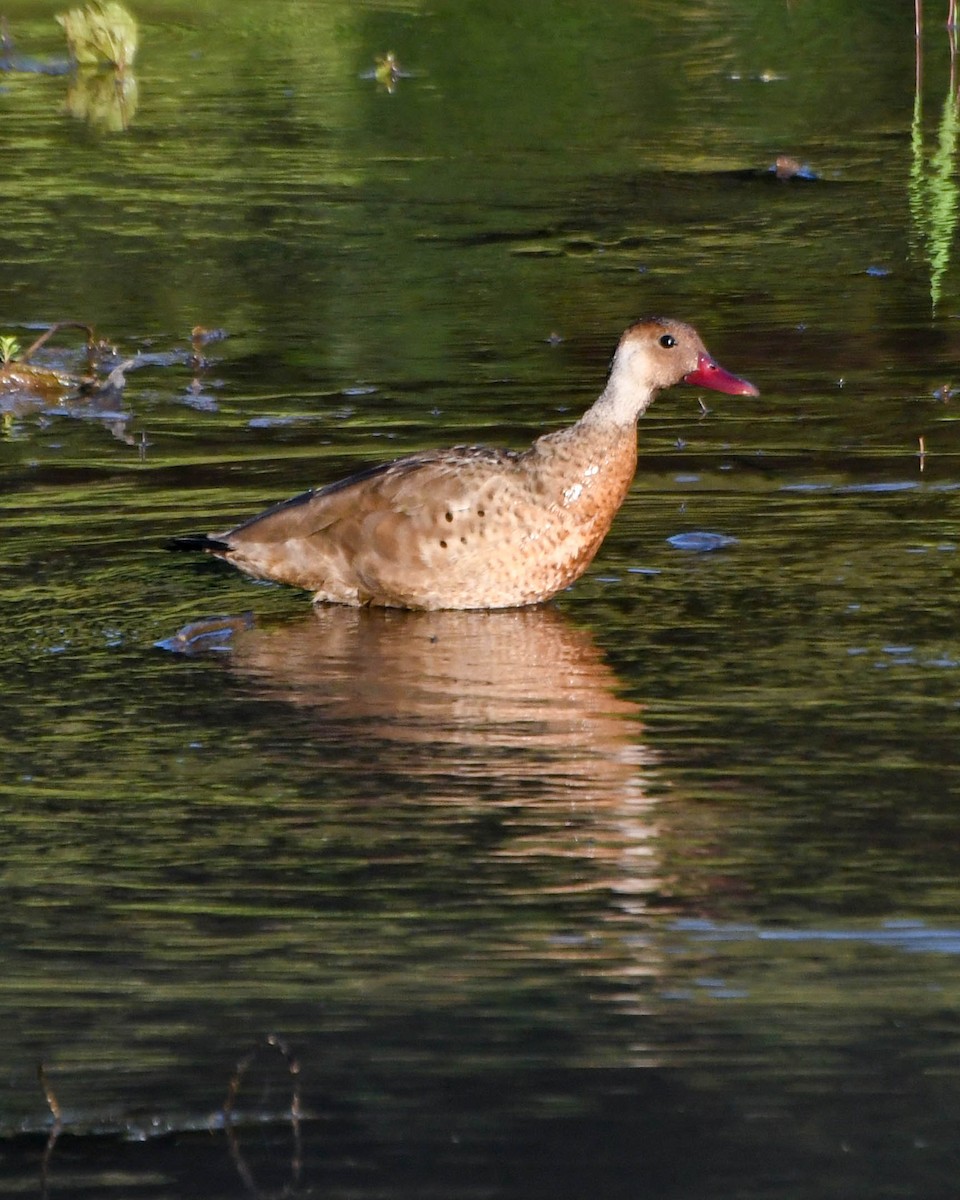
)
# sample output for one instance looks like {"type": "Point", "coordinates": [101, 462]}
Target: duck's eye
{"type": "Point", "coordinates": [668, 341]}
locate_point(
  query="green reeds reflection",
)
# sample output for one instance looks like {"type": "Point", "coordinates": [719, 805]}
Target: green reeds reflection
{"type": "Point", "coordinates": [933, 188]}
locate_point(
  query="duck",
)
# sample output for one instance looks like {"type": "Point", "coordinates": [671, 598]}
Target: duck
{"type": "Point", "coordinates": [475, 527]}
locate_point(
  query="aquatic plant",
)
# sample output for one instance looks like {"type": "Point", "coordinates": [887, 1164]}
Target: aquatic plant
{"type": "Point", "coordinates": [102, 32]}
{"type": "Point", "coordinates": [19, 375]}
{"type": "Point", "coordinates": [386, 70]}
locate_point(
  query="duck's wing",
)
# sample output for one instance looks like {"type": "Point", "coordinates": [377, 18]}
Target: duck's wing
{"type": "Point", "coordinates": [389, 533]}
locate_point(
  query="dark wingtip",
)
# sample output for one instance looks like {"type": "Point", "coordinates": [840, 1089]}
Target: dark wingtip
{"type": "Point", "coordinates": [198, 541]}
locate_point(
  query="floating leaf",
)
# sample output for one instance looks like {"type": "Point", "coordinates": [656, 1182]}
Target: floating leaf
{"type": "Point", "coordinates": [43, 383]}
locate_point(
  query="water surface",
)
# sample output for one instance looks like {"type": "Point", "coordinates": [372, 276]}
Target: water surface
{"type": "Point", "coordinates": [650, 891]}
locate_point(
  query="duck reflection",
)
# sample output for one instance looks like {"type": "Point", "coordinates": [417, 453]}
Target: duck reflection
{"type": "Point", "coordinates": [472, 678]}
{"type": "Point", "coordinates": [517, 707]}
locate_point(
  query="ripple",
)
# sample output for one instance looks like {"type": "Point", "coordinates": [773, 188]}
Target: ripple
{"type": "Point", "coordinates": [847, 489]}
{"type": "Point", "coordinates": [909, 936]}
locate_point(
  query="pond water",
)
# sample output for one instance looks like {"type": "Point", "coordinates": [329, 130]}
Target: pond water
{"type": "Point", "coordinates": [651, 891]}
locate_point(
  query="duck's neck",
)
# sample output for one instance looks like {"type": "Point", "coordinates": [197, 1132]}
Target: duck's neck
{"type": "Point", "coordinates": [598, 444]}
{"type": "Point", "coordinates": [619, 404]}
{"type": "Point", "coordinates": [586, 469]}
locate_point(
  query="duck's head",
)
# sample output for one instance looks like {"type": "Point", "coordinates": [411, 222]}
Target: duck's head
{"type": "Point", "coordinates": [658, 352]}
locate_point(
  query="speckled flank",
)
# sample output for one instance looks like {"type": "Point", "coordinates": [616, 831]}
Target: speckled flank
{"type": "Point", "coordinates": [473, 527]}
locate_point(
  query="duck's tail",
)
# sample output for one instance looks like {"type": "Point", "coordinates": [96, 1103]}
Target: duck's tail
{"type": "Point", "coordinates": [199, 541]}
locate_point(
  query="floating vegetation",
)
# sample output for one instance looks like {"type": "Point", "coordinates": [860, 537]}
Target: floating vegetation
{"type": "Point", "coordinates": [102, 44]}
{"type": "Point", "coordinates": [102, 33]}
{"type": "Point", "coordinates": [18, 375]}
{"type": "Point", "coordinates": [89, 382]}
{"type": "Point", "coordinates": [386, 70]}
{"type": "Point", "coordinates": [788, 167]}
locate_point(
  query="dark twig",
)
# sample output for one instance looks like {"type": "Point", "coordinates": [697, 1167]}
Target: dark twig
{"type": "Point", "coordinates": [47, 334]}
{"type": "Point", "coordinates": [48, 1094]}
{"type": "Point", "coordinates": [233, 1089]}
{"type": "Point", "coordinates": [57, 1126]}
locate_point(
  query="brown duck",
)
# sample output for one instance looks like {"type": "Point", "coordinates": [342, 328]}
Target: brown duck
{"type": "Point", "coordinates": [475, 527]}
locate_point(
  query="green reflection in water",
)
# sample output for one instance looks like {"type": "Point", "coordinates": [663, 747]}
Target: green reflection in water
{"type": "Point", "coordinates": [933, 189]}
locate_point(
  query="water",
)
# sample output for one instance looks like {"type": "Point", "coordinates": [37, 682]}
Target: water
{"type": "Point", "coordinates": [651, 891]}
